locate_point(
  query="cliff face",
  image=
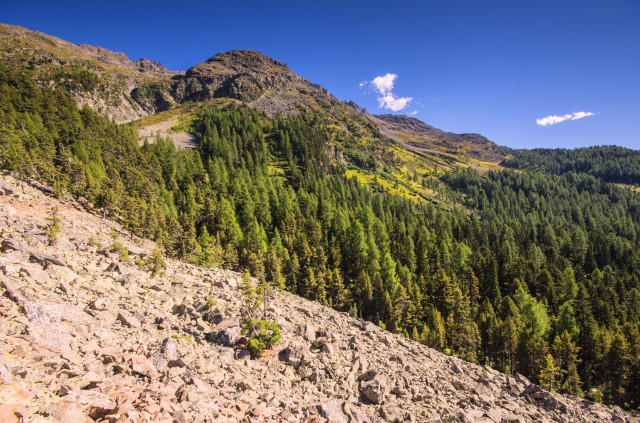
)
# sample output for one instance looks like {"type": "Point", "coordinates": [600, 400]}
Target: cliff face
{"type": "Point", "coordinates": [87, 335]}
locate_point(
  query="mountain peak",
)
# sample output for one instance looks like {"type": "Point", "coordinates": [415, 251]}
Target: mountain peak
{"type": "Point", "coordinates": [146, 65]}
{"type": "Point", "coordinates": [239, 60]}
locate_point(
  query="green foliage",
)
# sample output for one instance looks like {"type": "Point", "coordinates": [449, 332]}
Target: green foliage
{"type": "Point", "coordinates": [155, 262]}
{"type": "Point", "coordinates": [253, 297]}
{"type": "Point", "coordinates": [118, 247]}
{"type": "Point", "coordinates": [607, 163]}
{"type": "Point", "coordinates": [76, 78]}
{"type": "Point", "coordinates": [527, 256]}
{"type": "Point", "coordinates": [209, 304]}
{"type": "Point", "coordinates": [93, 242]}
{"type": "Point", "coordinates": [533, 314]}
{"type": "Point", "coordinates": [262, 334]}
{"type": "Point", "coordinates": [53, 226]}
{"type": "Point", "coordinates": [549, 373]}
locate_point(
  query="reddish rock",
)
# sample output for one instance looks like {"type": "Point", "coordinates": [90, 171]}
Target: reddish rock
{"type": "Point", "coordinates": [71, 412]}
{"type": "Point", "coordinates": [98, 405]}
{"type": "Point", "coordinates": [259, 410]}
{"type": "Point", "coordinates": [14, 394]}
{"type": "Point", "coordinates": [110, 354]}
{"type": "Point", "coordinates": [72, 357]}
{"type": "Point", "coordinates": [10, 413]}
{"type": "Point", "coordinates": [90, 347]}
{"type": "Point", "coordinates": [143, 366]}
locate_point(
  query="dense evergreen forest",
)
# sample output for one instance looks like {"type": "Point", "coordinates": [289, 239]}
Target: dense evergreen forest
{"type": "Point", "coordinates": [536, 272]}
{"type": "Point", "coordinates": [609, 163]}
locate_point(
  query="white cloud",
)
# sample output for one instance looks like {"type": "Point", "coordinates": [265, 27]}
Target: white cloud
{"type": "Point", "coordinates": [552, 120]}
{"type": "Point", "coordinates": [386, 99]}
{"type": "Point", "coordinates": [580, 115]}
{"type": "Point", "coordinates": [415, 112]}
{"type": "Point", "coordinates": [392, 102]}
{"type": "Point", "coordinates": [384, 84]}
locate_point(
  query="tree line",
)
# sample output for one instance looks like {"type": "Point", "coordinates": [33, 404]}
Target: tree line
{"type": "Point", "coordinates": [531, 272]}
{"type": "Point", "coordinates": [608, 163]}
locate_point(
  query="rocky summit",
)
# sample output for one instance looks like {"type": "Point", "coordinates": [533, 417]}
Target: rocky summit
{"type": "Point", "coordinates": [90, 335]}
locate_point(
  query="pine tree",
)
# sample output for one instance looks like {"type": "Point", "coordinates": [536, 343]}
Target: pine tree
{"type": "Point", "coordinates": [617, 364]}
{"type": "Point", "coordinates": [566, 352]}
{"type": "Point", "coordinates": [572, 382]}
{"type": "Point", "coordinates": [549, 373]}
{"type": "Point", "coordinates": [436, 332]}
{"type": "Point", "coordinates": [53, 225]}
{"type": "Point", "coordinates": [509, 334]}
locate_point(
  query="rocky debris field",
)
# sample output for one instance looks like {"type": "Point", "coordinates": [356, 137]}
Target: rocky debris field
{"type": "Point", "coordinates": [87, 336]}
{"type": "Point", "coordinates": [182, 140]}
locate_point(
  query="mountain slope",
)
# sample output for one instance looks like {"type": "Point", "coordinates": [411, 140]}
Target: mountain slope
{"type": "Point", "coordinates": [127, 90]}
{"type": "Point", "coordinates": [527, 272]}
{"type": "Point", "coordinates": [87, 335]}
{"type": "Point", "coordinates": [420, 135]}
{"type": "Point", "coordinates": [138, 88]}
{"type": "Point", "coordinates": [96, 76]}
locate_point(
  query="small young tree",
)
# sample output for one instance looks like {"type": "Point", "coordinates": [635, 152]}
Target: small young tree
{"type": "Point", "coordinates": [53, 227]}
{"type": "Point", "coordinates": [117, 246]}
{"type": "Point", "coordinates": [549, 373]}
{"type": "Point", "coordinates": [262, 333]}
{"type": "Point", "coordinates": [156, 263]}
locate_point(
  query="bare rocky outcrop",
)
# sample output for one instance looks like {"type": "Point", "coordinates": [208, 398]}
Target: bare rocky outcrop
{"type": "Point", "coordinates": [86, 337]}
{"type": "Point", "coordinates": [130, 89]}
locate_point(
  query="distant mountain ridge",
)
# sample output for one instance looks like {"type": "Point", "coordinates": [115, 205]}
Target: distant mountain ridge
{"type": "Point", "coordinates": [130, 89]}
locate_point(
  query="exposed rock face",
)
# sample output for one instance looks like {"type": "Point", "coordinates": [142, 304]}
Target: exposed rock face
{"type": "Point", "coordinates": [251, 77]}
{"type": "Point", "coordinates": [133, 89]}
{"type": "Point", "coordinates": [146, 65]}
{"type": "Point", "coordinates": [142, 350]}
{"type": "Point", "coordinates": [355, 106]}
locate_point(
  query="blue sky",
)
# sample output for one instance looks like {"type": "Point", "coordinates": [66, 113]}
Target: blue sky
{"type": "Point", "coordinates": [491, 67]}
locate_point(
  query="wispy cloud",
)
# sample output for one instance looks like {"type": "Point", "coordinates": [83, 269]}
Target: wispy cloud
{"type": "Point", "coordinates": [383, 86]}
{"type": "Point", "coordinates": [552, 120]}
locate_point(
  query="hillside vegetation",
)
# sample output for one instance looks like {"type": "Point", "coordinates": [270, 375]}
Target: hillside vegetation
{"type": "Point", "coordinates": [530, 272]}
{"type": "Point", "coordinates": [608, 163]}
{"type": "Point", "coordinates": [90, 331]}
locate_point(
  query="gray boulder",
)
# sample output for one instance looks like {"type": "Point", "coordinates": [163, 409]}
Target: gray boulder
{"type": "Point", "coordinates": [226, 333]}
{"type": "Point", "coordinates": [375, 390]}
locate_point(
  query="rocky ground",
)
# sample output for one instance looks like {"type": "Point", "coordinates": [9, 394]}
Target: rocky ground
{"type": "Point", "coordinates": [182, 140]}
{"type": "Point", "coordinates": [87, 336]}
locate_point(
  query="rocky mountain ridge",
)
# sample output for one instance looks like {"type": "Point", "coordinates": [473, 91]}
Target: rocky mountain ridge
{"type": "Point", "coordinates": [87, 335]}
{"type": "Point", "coordinates": [113, 75]}
{"type": "Point", "coordinates": [254, 78]}
{"type": "Point", "coordinates": [418, 135]}
{"type": "Point", "coordinates": [128, 90]}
